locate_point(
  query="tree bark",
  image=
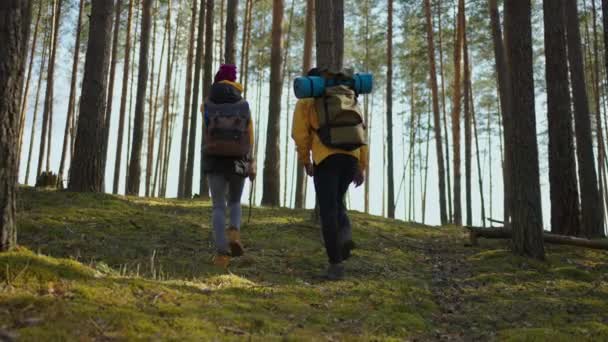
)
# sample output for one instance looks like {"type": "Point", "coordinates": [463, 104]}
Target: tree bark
{"type": "Point", "coordinates": [590, 198]}
{"type": "Point", "coordinates": [14, 32]}
{"type": "Point", "coordinates": [329, 40]}
{"type": "Point", "coordinates": [48, 98]}
{"type": "Point", "coordinates": [436, 118]}
{"type": "Point", "coordinates": [271, 195]}
{"type": "Point", "coordinates": [527, 219]}
{"type": "Point", "coordinates": [72, 98]}
{"type": "Point", "coordinates": [505, 97]}
{"type": "Point", "coordinates": [195, 96]}
{"type": "Point", "coordinates": [207, 82]}
{"type": "Point", "coordinates": [456, 109]}
{"type": "Point", "coordinates": [389, 112]}
{"type": "Point", "coordinates": [562, 165]}
{"type": "Point", "coordinates": [86, 173]}
{"type": "Point", "coordinates": [133, 182]}
{"type": "Point", "coordinates": [448, 173]}
{"type": "Point", "coordinates": [186, 120]}
{"type": "Point", "coordinates": [123, 101]}
{"type": "Point", "coordinates": [231, 30]}
{"type": "Point", "coordinates": [306, 65]}
{"type": "Point", "coordinates": [467, 121]}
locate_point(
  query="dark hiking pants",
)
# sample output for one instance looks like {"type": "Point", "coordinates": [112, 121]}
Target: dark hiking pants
{"type": "Point", "coordinates": [332, 178]}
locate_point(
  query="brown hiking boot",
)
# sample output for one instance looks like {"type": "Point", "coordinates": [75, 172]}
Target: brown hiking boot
{"type": "Point", "coordinates": [221, 261]}
{"type": "Point", "coordinates": [234, 241]}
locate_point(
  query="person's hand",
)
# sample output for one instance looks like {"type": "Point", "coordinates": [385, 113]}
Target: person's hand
{"type": "Point", "coordinates": [252, 176]}
{"type": "Point", "coordinates": [359, 178]}
{"type": "Point", "coordinates": [252, 172]}
{"type": "Point", "coordinates": [310, 171]}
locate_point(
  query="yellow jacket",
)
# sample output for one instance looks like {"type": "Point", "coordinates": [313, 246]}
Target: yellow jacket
{"type": "Point", "coordinates": [305, 124]}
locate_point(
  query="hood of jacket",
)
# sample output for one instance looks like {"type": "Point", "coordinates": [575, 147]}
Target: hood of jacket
{"type": "Point", "coordinates": [226, 92]}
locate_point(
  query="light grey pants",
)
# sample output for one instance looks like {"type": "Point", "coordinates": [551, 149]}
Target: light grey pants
{"type": "Point", "coordinates": [221, 185]}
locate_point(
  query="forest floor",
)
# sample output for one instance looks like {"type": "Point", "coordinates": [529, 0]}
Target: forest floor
{"type": "Point", "coordinates": [101, 267]}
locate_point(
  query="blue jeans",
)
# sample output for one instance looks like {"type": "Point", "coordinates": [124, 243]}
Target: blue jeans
{"type": "Point", "coordinates": [221, 185]}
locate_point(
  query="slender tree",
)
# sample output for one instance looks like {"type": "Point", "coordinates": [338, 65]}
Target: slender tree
{"type": "Point", "coordinates": [207, 81]}
{"type": "Point", "coordinates": [48, 98]}
{"type": "Point", "coordinates": [456, 111]}
{"type": "Point", "coordinates": [591, 212]}
{"type": "Point", "coordinates": [467, 121]}
{"type": "Point", "coordinates": [86, 173]}
{"type": "Point", "coordinates": [133, 182]}
{"type": "Point", "coordinates": [231, 30]}
{"type": "Point", "coordinates": [436, 118]}
{"type": "Point", "coordinates": [189, 175]}
{"type": "Point", "coordinates": [527, 222]}
{"type": "Point", "coordinates": [188, 96]}
{"type": "Point", "coordinates": [446, 138]}
{"type": "Point", "coordinates": [271, 195]}
{"type": "Point", "coordinates": [14, 32]}
{"type": "Point", "coordinates": [72, 98]}
{"type": "Point", "coordinates": [389, 111]}
{"type": "Point", "coordinates": [123, 101]}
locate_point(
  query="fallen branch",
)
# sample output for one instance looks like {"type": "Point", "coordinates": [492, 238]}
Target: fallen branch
{"type": "Point", "coordinates": [504, 233]}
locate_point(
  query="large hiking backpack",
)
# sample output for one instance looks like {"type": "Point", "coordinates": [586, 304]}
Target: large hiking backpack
{"type": "Point", "coordinates": [341, 123]}
{"type": "Point", "coordinates": [227, 129]}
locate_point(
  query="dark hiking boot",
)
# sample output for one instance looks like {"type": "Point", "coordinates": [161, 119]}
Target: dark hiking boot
{"type": "Point", "coordinates": [335, 272]}
{"type": "Point", "coordinates": [234, 241]}
{"type": "Point", "coordinates": [347, 247]}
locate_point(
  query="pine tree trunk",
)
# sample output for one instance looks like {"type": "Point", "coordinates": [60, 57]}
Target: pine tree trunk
{"type": "Point", "coordinates": [246, 29]}
{"type": "Point", "coordinates": [152, 106]}
{"type": "Point", "coordinates": [505, 97]}
{"type": "Point", "coordinates": [48, 98]}
{"type": "Point", "coordinates": [456, 113]}
{"type": "Point", "coordinates": [133, 182]}
{"type": "Point", "coordinates": [284, 73]}
{"type": "Point", "coordinates": [562, 165]}
{"type": "Point", "coordinates": [245, 69]}
{"type": "Point", "coordinates": [123, 101]}
{"type": "Point", "coordinates": [467, 122]}
{"type": "Point", "coordinates": [195, 108]}
{"type": "Point", "coordinates": [231, 30]}
{"type": "Point", "coordinates": [448, 172]}
{"type": "Point", "coordinates": [220, 41]}
{"type": "Point", "coordinates": [186, 120]}
{"type": "Point", "coordinates": [24, 101]}
{"type": "Point", "coordinates": [41, 71]}
{"type": "Point", "coordinates": [86, 173]}
{"type": "Point", "coordinates": [527, 219]}
{"type": "Point", "coordinates": [590, 199]}
{"type": "Point", "coordinates": [389, 111]}
{"type": "Point", "coordinates": [436, 118]}
{"type": "Point", "coordinates": [271, 195]}
{"type": "Point", "coordinates": [72, 99]}
{"type": "Point", "coordinates": [306, 65]}
{"type": "Point", "coordinates": [329, 40]}
{"type": "Point", "coordinates": [477, 157]}
{"type": "Point", "coordinates": [14, 32]}
{"type": "Point", "coordinates": [207, 81]}
{"type": "Point", "coordinates": [110, 99]}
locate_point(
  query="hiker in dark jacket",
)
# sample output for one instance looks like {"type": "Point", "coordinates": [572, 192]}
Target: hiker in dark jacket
{"type": "Point", "coordinates": [227, 159]}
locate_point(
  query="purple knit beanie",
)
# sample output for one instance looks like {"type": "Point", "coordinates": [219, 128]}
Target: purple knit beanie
{"type": "Point", "coordinates": [227, 72]}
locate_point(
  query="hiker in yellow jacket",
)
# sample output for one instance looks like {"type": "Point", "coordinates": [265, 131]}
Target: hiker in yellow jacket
{"type": "Point", "coordinates": [333, 170]}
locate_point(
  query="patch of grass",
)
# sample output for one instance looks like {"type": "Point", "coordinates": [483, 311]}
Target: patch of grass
{"type": "Point", "coordinates": [97, 266]}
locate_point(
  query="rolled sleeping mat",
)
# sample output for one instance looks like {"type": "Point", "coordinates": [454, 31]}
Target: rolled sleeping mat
{"type": "Point", "coordinates": [314, 86]}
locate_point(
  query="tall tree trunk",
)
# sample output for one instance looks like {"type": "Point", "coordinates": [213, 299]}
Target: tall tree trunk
{"type": "Point", "coordinates": [527, 219]}
{"type": "Point", "coordinates": [590, 198]}
{"type": "Point", "coordinates": [24, 101]}
{"type": "Point", "coordinates": [389, 111]}
{"type": "Point", "coordinates": [271, 195]}
{"type": "Point", "coordinates": [477, 157]}
{"type": "Point", "coordinates": [562, 165]}
{"type": "Point", "coordinates": [48, 98]}
{"type": "Point", "coordinates": [246, 30]}
{"type": "Point", "coordinates": [123, 101]}
{"type": "Point", "coordinates": [72, 98]}
{"type": "Point", "coordinates": [14, 32]}
{"type": "Point", "coordinates": [207, 81]}
{"type": "Point", "coordinates": [133, 182]}
{"type": "Point", "coordinates": [45, 51]}
{"type": "Point", "coordinates": [456, 109]}
{"type": "Point", "coordinates": [110, 99]}
{"type": "Point", "coordinates": [86, 173]}
{"type": "Point", "coordinates": [284, 73]}
{"type": "Point", "coordinates": [448, 173]}
{"type": "Point", "coordinates": [505, 96]}
{"type": "Point", "coordinates": [151, 112]}
{"type": "Point", "coordinates": [329, 39]}
{"type": "Point", "coordinates": [436, 118]}
{"type": "Point", "coordinates": [306, 65]}
{"type": "Point", "coordinates": [467, 121]}
{"type": "Point", "coordinates": [186, 120]}
{"type": "Point", "coordinates": [220, 41]}
{"type": "Point", "coordinates": [245, 69]}
{"type": "Point", "coordinates": [195, 96]}
{"type": "Point", "coordinates": [232, 11]}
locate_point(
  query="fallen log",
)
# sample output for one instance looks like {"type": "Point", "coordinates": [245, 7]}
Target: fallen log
{"type": "Point", "coordinates": [505, 233]}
